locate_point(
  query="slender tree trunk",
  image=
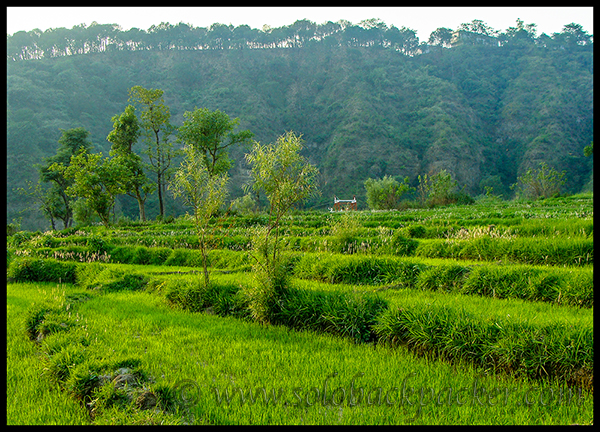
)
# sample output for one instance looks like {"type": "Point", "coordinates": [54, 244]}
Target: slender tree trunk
{"type": "Point", "coordinates": [141, 206]}
{"type": "Point", "coordinates": [160, 197]}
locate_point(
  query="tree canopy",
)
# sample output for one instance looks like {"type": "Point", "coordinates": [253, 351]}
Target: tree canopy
{"type": "Point", "coordinates": [371, 100]}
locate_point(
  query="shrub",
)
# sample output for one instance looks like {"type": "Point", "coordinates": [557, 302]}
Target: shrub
{"type": "Point", "coordinates": [385, 194]}
{"type": "Point", "coordinates": [437, 189]}
{"type": "Point", "coordinates": [539, 183]}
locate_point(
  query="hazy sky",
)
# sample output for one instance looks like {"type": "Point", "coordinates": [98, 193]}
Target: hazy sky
{"type": "Point", "coordinates": [423, 20]}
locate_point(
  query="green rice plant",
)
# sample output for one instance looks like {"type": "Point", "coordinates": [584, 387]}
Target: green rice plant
{"type": "Point", "coordinates": [520, 348]}
{"type": "Point", "coordinates": [371, 270]}
{"type": "Point", "coordinates": [87, 275]}
{"type": "Point", "coordinates": [448, 277]}
{"type": "Point", "coordinates": [75, 336]}
{"type": "Point", "coordinates": [403, 246]}
{"type": "Point", "coordinates": [83, 379]}
{"type": "Point", "coordinates": [227, 353]}
{"type": "Point", "coordinates": [159, 255]}
{"type": "Point", "coordinates": [34, 319]}
{"type": "Point", "coordinates": [129, 282]}
{"type": "Point", "coordinates": [220, 298]}
{"type": "Point", "coordinates": [228, 259]}
{"type": "Point", "coordinates": [439, 249]}
{"type": "Point", "coordinates": [58, 366]}
{"type": "Point", "coordinates": [142, 255]}
{"type": "Point", "coordinates": [97, 243]}
{"type": "Point", "coordinates": [415, 231]}
{"type": "Point", "coordinates": [184, 257]}
{"type": "Point", "coordinates": [107, 397]}
{"type": "Point", "coordinates": [41, 270]}
{"type": "Point", "coordinates": [343, 314]}
{"type": "Point", "coordinates": [123, 254]}
{"type": "Point", "coordinates": [560, 251]}
{"type": "Point", "coordinates": [189, 296]}
{"type": "Point", "coordinates": [345, 232]}
{"type": "Point", "coordinates": [535, 284]}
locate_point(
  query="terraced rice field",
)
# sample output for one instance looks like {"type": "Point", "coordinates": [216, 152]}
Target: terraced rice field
{"type": "Point", "coordinates": [479, 314]}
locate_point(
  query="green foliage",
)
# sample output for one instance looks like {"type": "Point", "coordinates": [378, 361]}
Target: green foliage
{"type": "Point", "coordinates": [286, 178]}
{"type": "Point", "coordinates": [59, 366]}
{"type": "Point", "coordinates": [95, 180]}
{"type": "Point", "coordinates": [438, 189]}
{"type": "Point", "coordinates": [366, 110]}
{"type": "Point", "coordinates": [57, 201]}
{"type": "Point", "coordinates": [498, 344]}
{"type": "Point", "coordinates": [156, 130]}
{"type": "Point", "coordinates": [205, 191]}
{"type": "Point", "coordinates": [345, 232]}
{"type": "Point", "coordinates": [544, 182]}
{"type": "Point", "coordinates": [338, 313]}
{"type": "Point", "coordinates": [123, 137]}
{"type": "Point", "coordinates": [245, 205]}
{"type": "Point", "coordinates": [385, 194]}
{"type": "Point", "coordinates": [211, 133]}
{"type": "Point", "coordinates": [41, 270]}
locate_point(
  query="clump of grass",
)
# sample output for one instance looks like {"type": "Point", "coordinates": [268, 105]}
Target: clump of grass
{"type": "Point", "coordinates": [218, 298]}
{"type": "Point", "coordinates": [58, 366]}
{"type": "Point", "coordinates": [41, 270]}
{"type": "Point", "coordinates": [344, 314]}
{"type": "Point", "coordinates": [345, 232]}
{"type": "Point", "coordinates": [448, 277]}
{"type": "Point", "coordinates": [43, 320]}
{"type": "Point", "coordinates": [529, 283]}
{"type": "Point", "coordinates": [501, 345]}
{"type": "Point", "coordinates": [370, 270]}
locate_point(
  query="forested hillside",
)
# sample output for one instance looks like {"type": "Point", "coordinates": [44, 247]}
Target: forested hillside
{"type": "Point", "coordinates": [369, 100]}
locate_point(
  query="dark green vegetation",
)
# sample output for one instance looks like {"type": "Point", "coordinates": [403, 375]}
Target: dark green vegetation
{"type": "Point", "coordinates": [369, 100]}
{"type": "Point", "coordinates": [488, 303]}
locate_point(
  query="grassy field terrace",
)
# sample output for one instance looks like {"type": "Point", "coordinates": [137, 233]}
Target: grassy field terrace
{"type": "Point", "coordinates": [478, 314]}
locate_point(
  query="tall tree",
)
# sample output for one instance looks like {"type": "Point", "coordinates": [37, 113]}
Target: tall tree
{"type": "Point", "coordinates": [47, 200]}
{"type": "Point", "coordinates": [441, 37]}
{"type": "Point", "coordinates": [204, 192]}
{"type": "Point", "coordinates": [96, 180]}
{"type": "Point", "coordinates": [124, 135]}
{"type": "Point", "coordinates": [70, 143]}
{"type": "Point", "coordinates": [287, 178]}
{"type": "Point", "coordinates": [211, 134]}
{"type": "Point", "coordinates": [156, 128]}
